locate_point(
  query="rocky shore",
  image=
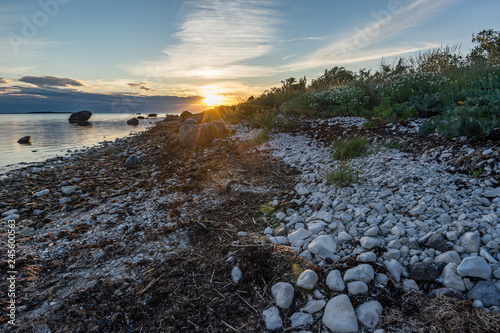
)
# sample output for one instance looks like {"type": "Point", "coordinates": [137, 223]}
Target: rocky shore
{"type": "Point", "coordinates": [120, 237]}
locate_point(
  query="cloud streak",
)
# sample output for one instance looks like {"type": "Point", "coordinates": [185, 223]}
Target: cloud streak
{"type": "Point", "coordinates": [360, 44]}
{"type": "Point", "coordinates": [217, 38]}
{"type": "Point", "coordinates": [28, 99]}
{"type": "Point", "coordinates": [51, 81]}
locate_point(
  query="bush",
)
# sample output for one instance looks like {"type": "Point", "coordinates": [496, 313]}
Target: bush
{"type": "Point", "coordinates": [262, 137]}
{"type": "Point", "coordinates": [343, 176]}
{"type": "Point", "coordinates": [349, 148]}
{"type": "Point", "coordinates": [338, 101]}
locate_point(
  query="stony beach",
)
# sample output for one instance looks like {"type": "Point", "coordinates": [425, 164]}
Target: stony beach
{"type": "Point", "coordinates": [141, 234]}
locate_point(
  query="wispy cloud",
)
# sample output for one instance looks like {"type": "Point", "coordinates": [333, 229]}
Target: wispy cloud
{"type": "Point", "coordinates": [51, 81]}
{"type": "Point", "coordinates": [361, 43]}
{"type": "Point", "coordinates": [140, 85]}
{"type": "Point", "coordinates": [217, 38]}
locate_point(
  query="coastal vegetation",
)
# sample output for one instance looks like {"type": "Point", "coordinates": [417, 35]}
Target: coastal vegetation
{"type": "Point", "coordinates": [459, 94]}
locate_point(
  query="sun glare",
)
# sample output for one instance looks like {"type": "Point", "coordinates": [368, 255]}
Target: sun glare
{"type": "Point", "coordinates": [212, 100]}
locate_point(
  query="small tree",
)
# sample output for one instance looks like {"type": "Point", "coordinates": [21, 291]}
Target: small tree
{"type": "Point", "coordinates": [487, 48]}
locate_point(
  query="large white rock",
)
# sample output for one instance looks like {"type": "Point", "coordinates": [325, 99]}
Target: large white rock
{"type": "Point", "coordinates": [369, 313]}
{"type": "Point", "coordinates": [272, 319]}
{"type": "Point", "coordinates": [369, 242]}
{"type": "Point", "coordinates": [451, 279]}
{"type": "Point", "coordinates": [493, 193]}
{"type": "Point", "coordinates": [322, 242]}
{"type": "Point", "coordinates": [449, 257]}
{"type": "Point", "coordinates": [314, 306]}
{"type": "Point", "coordinates": [299, 235]}
{"type": "Point", "coordinates": [334, 281]}
{"type": "Point", "coordinates": [307, 279]}
{"type": "Point", "coordinates": [394, 268]}
{"type": "Point", "coordinates": [339, 315]}
{"type": "Point", "coordinates": [69, 189]}
{"type": "Point", "coordinates": [474, 267]}
{"type": "Point", "coordinates": [301, 319]}
{"type": "Point", "coordinates": [471, 242]}
{"type": "Point", "coordinates": [363, 272]}
{"type": "Point", "coordinates": [283, 294]}
{"type": "Point", "coordinates": [357, 287]}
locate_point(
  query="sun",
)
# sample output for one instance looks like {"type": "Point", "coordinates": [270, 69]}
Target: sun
{"type": "Point", "coordinates": [213, 99]}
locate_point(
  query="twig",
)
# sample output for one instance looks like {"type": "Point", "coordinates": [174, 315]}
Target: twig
{"type": "Point", "coordinates": [248, 303]}
{"type": "Point", "coordinates": [150, 284]}
{"type": "Point", "coordinates": [231, 327]}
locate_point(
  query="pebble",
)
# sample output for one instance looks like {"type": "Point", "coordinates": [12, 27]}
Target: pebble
{"type": "Point", "coordinates": [363, 272]}
{"type": "Point", "coordinates": [394, 268]}
{"type": "Point", "coordinates": [272, 319]}
{"type": "Point", "coordinates": [334, 281]}
{"type": "Point", "coordinates": [474, 267]}
{"type": "Point", "coordinates": [11, 217]}
{"type": "Point", "coordinates": [369, 313]}
{"type": "Point", "coordinates": [132, 160]}
{"type": "Point", "coordinates": [314, 306]}
{"type": "Point", "coordinates": [357, 287]}
{"type": "Point", "coordinates": [69, 189]}
{"type": "Point", "coordinates": [339, 315]}
{"type": "Point", "coordinates": [486, 292]}
{"type": "Point", "coordinates": [451, 279]}
{"type": "Point", "coordinates": [307, 279]}
{"type": "Point", "coordinates": [369, 242]}
{"type": "Point", "coordinates": [301, 319]}
{"type": "Point", "coordinates": [323, 242]}
{"type": "Point", "coordinates": [236, 274]}
{"type": "Point", "coordinates": [10, 212]}
{"type": "Point", "coordinates": [283, 294]}
{"type": "Point", "coordinates": [423, 272]}
{"type": "Point", "coordinates": [41, 193]}
{"type": "Point", "coordinates": [470, 241]}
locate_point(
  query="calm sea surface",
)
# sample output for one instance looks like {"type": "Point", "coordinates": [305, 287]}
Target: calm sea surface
{"type": "Point", "coordinates": [52, 135]}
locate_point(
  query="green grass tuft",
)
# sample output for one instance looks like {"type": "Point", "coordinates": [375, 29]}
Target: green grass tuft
{"type": "Point", "coordinates": [348, 148]}
{"type": "Point", "coordinates": [343, 176]}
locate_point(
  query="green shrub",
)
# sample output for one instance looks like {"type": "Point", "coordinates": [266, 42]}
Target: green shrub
{"type": "Point", "coordinates": [338, 101]}
{"type": "Point", "coordinates": [349, 148]}
{"type": "Point", "coordinates": [343, 175]}
{"type": "Point", "coordinates": [394, 112]}
{"type": "Point", "coordinates": [396, 144]}
{"type": "Point", "coordinates": [262, 137]}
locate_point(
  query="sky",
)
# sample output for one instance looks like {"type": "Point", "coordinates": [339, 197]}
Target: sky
{"type": "Point", "coordinates": [171, 55]}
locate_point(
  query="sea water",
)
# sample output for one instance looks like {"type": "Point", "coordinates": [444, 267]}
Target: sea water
{"type": "Point", "coordinates": [52, 135]}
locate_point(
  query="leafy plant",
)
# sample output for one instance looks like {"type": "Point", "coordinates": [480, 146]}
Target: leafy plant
{"type": "Point", "coordinates": [396, 144]}
{"type": "Point", "coordinates": [262, 137]}
{"type": "Point", "coordinates": [349, 148]}
{"type": "Point", "coordinates": [343, 175]}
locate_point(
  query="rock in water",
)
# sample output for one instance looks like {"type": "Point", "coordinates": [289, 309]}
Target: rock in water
{"type": "Point", "coordinates": [132, 160]}
{"type": "Point", "coordinates": [339, 315]}
{"type": "Point", "coordinates": [152, 115]}
{"type": "Point", "coordinates": [25, 140]}
{"type": "Point", "coordinates": [133, 121]}
{"type": "Point", "coordinates": [80, 117]}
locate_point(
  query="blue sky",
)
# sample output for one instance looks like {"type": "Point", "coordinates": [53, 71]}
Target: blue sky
{"type": "Point", "coordinates": [166, 56]}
